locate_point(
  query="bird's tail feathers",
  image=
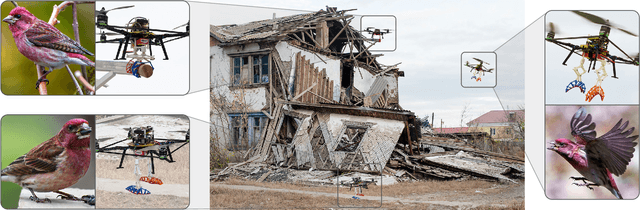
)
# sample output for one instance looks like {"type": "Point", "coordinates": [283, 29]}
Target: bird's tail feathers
{"type": "Point", "coordinates": [80, 60]}
{"type": "Point", "coordinates": [616, 193]}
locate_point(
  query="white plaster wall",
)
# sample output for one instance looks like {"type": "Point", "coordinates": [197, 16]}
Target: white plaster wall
{"type": "Point", "coordinates": [332, 66]}
{"type": "Point", "coordinates": [392, 83]}
{"type": "Point", "coordinates": [378, 142]}
{"type": "Point", "coordinates": [220, 64]}
{"type": "Point", "coordinates": [362, 83]}
{"type": "Point", "coordinates": [255, 98]}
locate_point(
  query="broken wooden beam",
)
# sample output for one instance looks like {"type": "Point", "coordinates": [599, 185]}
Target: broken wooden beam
{"type": "Point", "coordinates": [477, 151]}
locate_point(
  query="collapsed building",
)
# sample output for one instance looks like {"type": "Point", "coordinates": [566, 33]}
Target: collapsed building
{"type": "Point", "coordinates": [305, 92]}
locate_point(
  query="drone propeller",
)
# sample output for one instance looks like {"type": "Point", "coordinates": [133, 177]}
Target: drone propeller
{"type": "Point", "coordinates": [598, 20]}
{"type": "Point", "coordinates": [104, 139]}
{"type": "Point", "coordinates": [105, 11]}
{"type": "Point", "coordinates": [108, 33]}
{"type": "Point", "coordinates": [552, 28]}
{"type": "Point", "coordinates": [186, 24]}
{"type": "Point", "coordinates": [481, 61]}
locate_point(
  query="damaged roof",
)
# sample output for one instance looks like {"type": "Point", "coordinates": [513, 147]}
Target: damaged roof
{"type": "Point", "coordinates": [263, 29]}
{"type": "Point", "coordinates": [497, 116]}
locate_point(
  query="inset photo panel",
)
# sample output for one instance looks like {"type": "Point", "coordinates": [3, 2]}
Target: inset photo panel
{"type": "Point", "coordinates": [478, 69]}
{"type": "Point", "coordinates": [143, 161]}
{"type": "Point", "coordinates": [48, 48]}
{"type": "Point", "coordinates": [141, 50]}
{"type": "Point", "coordinates": [591, 57]}
{"type": "Point", "coordinates": [591, 152]}
{"type": "Point", "coordinates": [47, 161]}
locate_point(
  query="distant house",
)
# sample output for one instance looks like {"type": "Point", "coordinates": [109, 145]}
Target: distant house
{"type": "Point", "coordinates": [451, 130]}
{"type": "Point", "coordinates": [500, 124]}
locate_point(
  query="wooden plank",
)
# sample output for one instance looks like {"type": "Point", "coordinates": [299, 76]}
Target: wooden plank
{"type": "Point", "coordinates": [477, 151]}
{"type": "Point", "coordinates": [264, 176]}
{"type": "Point", "coordinates": [340, 32]}
{"type": "Point", "coordinates": [298, 76]}
{"type": "Point", "coordinates": [268, 138]}
{"type": "Point", "coordinates": [303, 92]}
{"type": "Point", "coordinates": [331, 89]}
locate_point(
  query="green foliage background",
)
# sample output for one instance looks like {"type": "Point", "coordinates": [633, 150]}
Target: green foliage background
{"type": "Point", "coordinates": [20, 133]}
{"type": "Point", "coordinates": [19, 73]}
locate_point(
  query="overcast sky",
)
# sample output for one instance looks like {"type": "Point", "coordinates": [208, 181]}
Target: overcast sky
{"type": "Point", "coordinates": [431, 36]}
{"type": "Point", "coordinates": [169, 76]}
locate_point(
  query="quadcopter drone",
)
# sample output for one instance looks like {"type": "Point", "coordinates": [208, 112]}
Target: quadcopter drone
{"type": "Point", "coordinates": [143, 143]}
{"type": "Point", "coordinates": [136, 34]}
{"type": "Point", "coordinates": [358, 183]}
{"type": "Point", "coordinates": [594, 50]}
{"type": "Point", "coordinates": [377, 32]}
{"type": "Point", "coordinates": [477, 69]}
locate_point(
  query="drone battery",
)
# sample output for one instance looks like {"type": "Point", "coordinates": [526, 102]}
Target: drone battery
{"type": "Point", "coordinates": [141, 42]}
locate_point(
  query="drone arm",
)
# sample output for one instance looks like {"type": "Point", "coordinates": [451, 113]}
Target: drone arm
{"type": "Point", "coordinates": [614, 44]}
{"type": "Point", "coordinates": [577, 37]}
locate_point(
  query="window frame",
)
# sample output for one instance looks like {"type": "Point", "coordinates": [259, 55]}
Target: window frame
{"type": "Point", "coordinates": [245, 66]}
{"type": "Point", "coordinates": [249, 130]}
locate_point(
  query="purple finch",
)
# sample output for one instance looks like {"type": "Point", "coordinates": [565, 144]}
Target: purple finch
{"type": "Point", "coordinates": [597, 158]}
{"type": "Point", "coordinates": [44, 44]}
{"type": "Point", "coordinates": [56, 163]}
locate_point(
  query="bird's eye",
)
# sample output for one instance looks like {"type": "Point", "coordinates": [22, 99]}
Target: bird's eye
{"type": "Point", "coordinates": [18, 16]}
{"type": "Point", "coordinates": [70, 127]}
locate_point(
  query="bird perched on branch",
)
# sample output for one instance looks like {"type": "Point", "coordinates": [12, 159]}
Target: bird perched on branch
{"type": "Point", "coordinates": [597, 159]}
{"type": "Point", "coordinates": [44, 44]}
{"type": "Point", "coordinates": [54, 164]}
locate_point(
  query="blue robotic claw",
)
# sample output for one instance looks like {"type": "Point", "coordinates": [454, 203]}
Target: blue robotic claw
{"type": "Point", "coordinates": [575, 83]}
{"type": "Point", "coordinates": [137, 191]}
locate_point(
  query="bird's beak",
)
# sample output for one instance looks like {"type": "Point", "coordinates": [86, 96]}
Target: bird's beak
{"type": "Point", "coordinates": [9, 19]}
{"type": "Point", "coordinates": [84, 131]}
{"type": "Point", "coordinates": [553, 146]}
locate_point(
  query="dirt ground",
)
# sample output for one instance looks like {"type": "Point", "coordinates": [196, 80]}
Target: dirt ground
{"type": "Point", "coordinates": [123, 200]}
{"type": "Point", "coordinates": [475, 194]}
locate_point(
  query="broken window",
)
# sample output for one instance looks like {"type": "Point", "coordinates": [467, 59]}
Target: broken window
{"type": "Point", "coordinates": [246, 129]}
{"type": "Point", "coordinates": [347, 75]}
{"type": "Point", "coordinates": [250, 69]}
{"type": "Point", "coordinates": [238, 132]}
{"type": "Point", "coordinates": [351, 138]}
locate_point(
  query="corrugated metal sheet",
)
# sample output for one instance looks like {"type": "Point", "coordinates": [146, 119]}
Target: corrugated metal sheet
{"type": "Point", "coordinates": [377, 89]}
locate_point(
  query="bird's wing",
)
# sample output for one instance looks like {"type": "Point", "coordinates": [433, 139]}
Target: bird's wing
{"type": "Point", "coordinates": [615, 148]}
{"type": "Point", "coordinates": [582, 126]}
{"type": "Point", "coordinates": [45, 35]}
{"type": "Point", "coordinates": [41, 159]}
